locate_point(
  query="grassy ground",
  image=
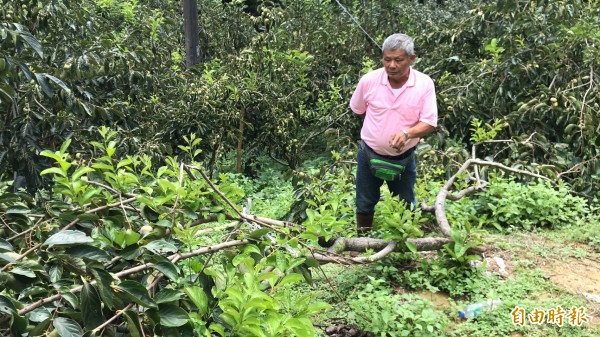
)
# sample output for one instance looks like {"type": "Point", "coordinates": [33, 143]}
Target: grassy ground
{"type": "Point", "coordinates": [544, 270]}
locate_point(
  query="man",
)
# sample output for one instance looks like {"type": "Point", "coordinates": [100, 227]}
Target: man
{"type": "Point", "coordinates": [398, 106]}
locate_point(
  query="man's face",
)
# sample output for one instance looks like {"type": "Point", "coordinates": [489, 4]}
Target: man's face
{"type": "Point", "coordinates": [397, 64]}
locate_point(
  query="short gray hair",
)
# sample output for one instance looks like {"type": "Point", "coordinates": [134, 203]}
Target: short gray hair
{"type": "Point", "coordinates": [399, 41]}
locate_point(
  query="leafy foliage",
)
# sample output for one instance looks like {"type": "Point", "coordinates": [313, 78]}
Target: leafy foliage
{"type": "Point", "coordinates": [285, 93]}
{"type": "Point", "coordinates": [117, 237]}
{"type": "Point", "coordinates": [508, 204]}
{"type": "Point", "coordinates": [382, 313]}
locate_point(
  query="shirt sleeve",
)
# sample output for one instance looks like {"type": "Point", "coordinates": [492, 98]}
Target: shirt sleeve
{"type": "Point", "coordinates": [358, 104]}
{"type": "Point", "coordinates": [429, 112]}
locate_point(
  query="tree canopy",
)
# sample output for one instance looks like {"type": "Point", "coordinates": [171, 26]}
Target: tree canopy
{"type": "Point", "coordinates": [119, 215]}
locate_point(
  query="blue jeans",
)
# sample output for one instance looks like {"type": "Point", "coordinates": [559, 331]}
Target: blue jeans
{"type": "Point", "coordinates": [368, 187]}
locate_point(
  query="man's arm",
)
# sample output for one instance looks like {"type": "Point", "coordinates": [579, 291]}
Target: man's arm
{"type": "Point", "coordinates": [399, 139]}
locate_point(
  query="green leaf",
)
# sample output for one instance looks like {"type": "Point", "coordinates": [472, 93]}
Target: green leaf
{"type": "Point", "coordinates": [91, 308]}
{"type": "Point", "coordinates": [24, 271]}
{"type": "Point", "coordinates": [300, 326]}
{"type": "Point", "coordinates": [55, 273]}
{"type": "Point", "coordinates": [168, 269]}
{"type": "Point", "coordinates": [6, 258]}
{"type": "Point", "coordinates": [218, 328]}
{"type": "Point", "coordinates": [131, 237]}
{"type": "Point", "coordinates": [6, 305]}
{"type": "Point", "coordinates": [172, 332]}
{"type": "Point", "coordinates": [315, 307]}
{"type": "Point", "coordinates": [312, 262]}
{"type": "Point", "coordinates": [172, 315]}
{"type": "Point", "coordinates": [59, 82]}
{"type": "Point", "coordinates": [291, 278]}
{"type": "Point", "coordinates": [167, 295]}
{"type": "Point", "coordinates": [252, 249]}
{"type": "Point", "coordinates": [145, 200]}
{"type": "Point", "coordinates": [71, 299]}
{"type": "Point", "coordinates": [67, 237]}
{"type": "Point", "coordinates": [39, 315]}
{"type": "Point", "coordinates": [152, 314]}
{"type": "Point", "coordinates": [198, 297]}
{"type": "Point", "coordinates": [88, 252]}
{"type": "Point", "coordinates": [54, 170]}
{"type": "Point", "coordinates": [133, 323]}
{"type": "Point", "coordinates": [104, 167]}
{"type": "Point", "coordinates": [65, 145]}
{"type": "Point", "coordinates": [67, 327]}
{"type": "Point", "coordinates": [32, 291]}
{"type": "Point", "coordinates": [135, 292]}
{"type": "Point", "coordinates": [253, 330]}
{"type": "Point", "coordinates": [161, 247]}
{"type": "Point", "coordinates": [33, 43]}
{"type": "Point", "coordinates": [241, 258]}
{"type": "Point", "coordinates": [7, 91]}
{"type": "Point", "coordinates": [164, 223]}
{"type": "Point", "coordinates": [296, 262]}
{"type": "Point", "coordinates": [103, 282]}
{"type": "Point", "coordinates": [81, 171]}
{"type": "Point", "coordinates": [19, 325]}
{"type": "Point", "coordinates": [17, 210]}
{"type": "Point", "coordinates": [411, 246]}
{"type": "Point", "coordinates": [50, 154]}
{"type": "Point", "coordinates": [88, 216]}
{"type": "Point", "coordinates": [259, 232]}
{"type": "Point", "coordinates": [41, 79]}
{"type": "Point", "coordinates": [456, 235]}
{"type": "Point", "coordinates": [41, 328]}
{"type": "Point", "coordinates": [124, 162]}
{"type": "Point", "coordinates": [270, 276]}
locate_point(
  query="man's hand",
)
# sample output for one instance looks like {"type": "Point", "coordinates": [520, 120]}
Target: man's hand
{"type": "Point", "coordinates": [398, 141]}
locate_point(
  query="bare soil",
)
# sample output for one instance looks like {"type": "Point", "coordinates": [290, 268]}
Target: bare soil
{"type": "Point", "coordinates": [580, 276]}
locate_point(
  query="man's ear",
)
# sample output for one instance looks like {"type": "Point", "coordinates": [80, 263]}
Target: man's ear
{"type": "Point", "coordinates": [413, 58]}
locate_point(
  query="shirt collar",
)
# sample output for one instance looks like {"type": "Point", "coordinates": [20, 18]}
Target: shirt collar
{"type": "Point", "coordinates": [412, 78]}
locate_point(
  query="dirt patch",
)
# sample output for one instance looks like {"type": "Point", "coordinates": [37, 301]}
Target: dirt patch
{"type": "Point", "coordinates": [438, 299]}
{"type": "Point", "coordinates": [577, 275]}
{"type": "Point", "coordinates": [580, 276]}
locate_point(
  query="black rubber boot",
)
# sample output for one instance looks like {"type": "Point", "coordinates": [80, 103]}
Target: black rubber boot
{"type": "Point", "coordinates": [364, 224]}
{"type": "Point", "coordinates": [325, 243]}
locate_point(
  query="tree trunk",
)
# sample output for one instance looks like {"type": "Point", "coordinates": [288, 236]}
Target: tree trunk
{"type": "Point", "coordinates": [238, 166]}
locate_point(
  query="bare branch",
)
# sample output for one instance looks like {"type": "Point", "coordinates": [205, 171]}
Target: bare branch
{"type": "Point", "coordinates": [583, 102]}
{"type": "Point", "coordinates": [508, 169]}
{"type": "Point", "coordinates": [18, 235]}
{"type": "Point", "coordinates": [209, 182]}
{"type": "Point", "coordinates": [440, 201]}
{"type": "Point", "coordinates": [466, 191]}
{"type": "Point", "coordinates": [575, 168]}
{"type": "Point", "coordinates": [110, 320]}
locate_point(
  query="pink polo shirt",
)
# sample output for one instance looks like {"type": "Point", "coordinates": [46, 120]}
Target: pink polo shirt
{"type": "Point", "coordinates": [388, 114]}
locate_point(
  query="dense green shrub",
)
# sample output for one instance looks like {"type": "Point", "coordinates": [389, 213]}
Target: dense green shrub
{"type": "Point", "coordinates": [508, 204]}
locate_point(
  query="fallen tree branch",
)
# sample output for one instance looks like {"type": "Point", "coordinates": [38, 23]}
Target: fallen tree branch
{"type": "Point", "coordinates": [444, 194]}
{"type": "Point", "coordinates": [382, 247]}
{"type": "Point", "coordinates": [137, 269]}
